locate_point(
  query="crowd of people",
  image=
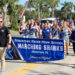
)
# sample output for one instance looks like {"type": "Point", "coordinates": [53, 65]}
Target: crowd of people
{"type": "Point", "coordinates": [59, 30]}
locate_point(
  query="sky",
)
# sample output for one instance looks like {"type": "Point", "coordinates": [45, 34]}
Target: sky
{"type": "Point", "coordinates": [61, 1]}
{"type": "Point", "coordinates": [59, 7]}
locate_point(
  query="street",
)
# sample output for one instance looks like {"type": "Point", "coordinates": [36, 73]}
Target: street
{"type": "Point", "coordinates": [37, 30]}
{"type": "Point", "coordinates": [60, 67]}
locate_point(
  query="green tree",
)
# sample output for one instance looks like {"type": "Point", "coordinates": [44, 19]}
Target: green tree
{"type": "Point", "coordinates": [53, 4]}
{"type": "Point", "coordinates": [11, 7]}
{"type": "Point", "coordinates": [8, 3]}
{"type": "Point", "coordinates": [58, 14]}
{"type": "Point", "coordinates": [14, 12]}
{"type": "Point", "coordinates": [67, 9]}
{"type": "Point", "coordinates": [39, 5]}
{"type": "Point", "coordinates": [43, 6]}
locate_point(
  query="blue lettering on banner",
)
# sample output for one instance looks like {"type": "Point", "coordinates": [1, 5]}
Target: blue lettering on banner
{"type": "Point", "coordinates": [39, 49]}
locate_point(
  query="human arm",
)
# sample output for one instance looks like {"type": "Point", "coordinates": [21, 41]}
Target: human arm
{"type": "Point", "coordinates": [9, 41]}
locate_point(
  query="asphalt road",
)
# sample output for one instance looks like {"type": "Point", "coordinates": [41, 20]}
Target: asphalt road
{"type": "Point", "coordinates": [61, 67]}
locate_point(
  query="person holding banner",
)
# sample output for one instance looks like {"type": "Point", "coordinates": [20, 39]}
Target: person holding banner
{"type": "Point", "coordinates": [5, 42]}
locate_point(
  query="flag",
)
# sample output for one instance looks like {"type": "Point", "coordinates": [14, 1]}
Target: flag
{"type": "Point", "coordinates": [25, 7]}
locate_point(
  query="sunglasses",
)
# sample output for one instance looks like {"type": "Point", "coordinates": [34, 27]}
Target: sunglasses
{"type": "Point", "coordinates": [1, 21]}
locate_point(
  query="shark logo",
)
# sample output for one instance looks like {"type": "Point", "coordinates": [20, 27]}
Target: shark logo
{"type": "Point", "coordinates": [8, 53]}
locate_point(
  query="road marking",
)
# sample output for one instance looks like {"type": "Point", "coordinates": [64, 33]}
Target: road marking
{"type": "Point", "coordinates": [23, 72]}
{"type": "Point", "coordinates": [21, 69]}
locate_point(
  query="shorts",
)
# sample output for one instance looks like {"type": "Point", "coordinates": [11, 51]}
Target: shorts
{"type": "Point", "coordinates": [66, 38]}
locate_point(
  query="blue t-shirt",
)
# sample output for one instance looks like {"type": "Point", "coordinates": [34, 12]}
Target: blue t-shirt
{"type": "Point", "coordinates": [58, 23]}
{"type": "Point", "coordinates": [70, 22]}
{"type": "Point", "coordinates": [46, 32]}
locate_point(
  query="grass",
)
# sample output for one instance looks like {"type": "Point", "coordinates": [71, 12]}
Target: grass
{"type": "Point", "coordinates": [15, 36]}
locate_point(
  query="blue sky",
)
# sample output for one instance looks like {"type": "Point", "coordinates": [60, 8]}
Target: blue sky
{"type": "Point", "coordinates": [67, 1]}
{"type": "Point", "coordinates": [61, 1]}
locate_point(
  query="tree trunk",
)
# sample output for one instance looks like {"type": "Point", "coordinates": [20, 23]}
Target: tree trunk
{"type": "Point", "coordinates": [52, 11]}
{"type": "Point", "coordinates": [38, 11]}
{"type": "Point", "coordinates": [71, 15]}
{"type": "Point", "coordinates": [4, 14]}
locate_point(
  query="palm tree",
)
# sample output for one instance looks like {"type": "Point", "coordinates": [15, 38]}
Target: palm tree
{"type": "Point", "coordinates": [4, 4]}
{"type": "Point", "coordinates": [53, 4]}
{"type": "Point", "coordinates": [44, 5]}
{"type": "Point", "coordinates": [67, 9]}
{"type": "Point", "coordinates": [39, 5]}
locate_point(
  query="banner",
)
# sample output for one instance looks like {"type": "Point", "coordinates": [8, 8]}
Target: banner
{"type": "Point", "coordinates": [30, 49]}
{"type": "Point", "coordinates": [12, 53]}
